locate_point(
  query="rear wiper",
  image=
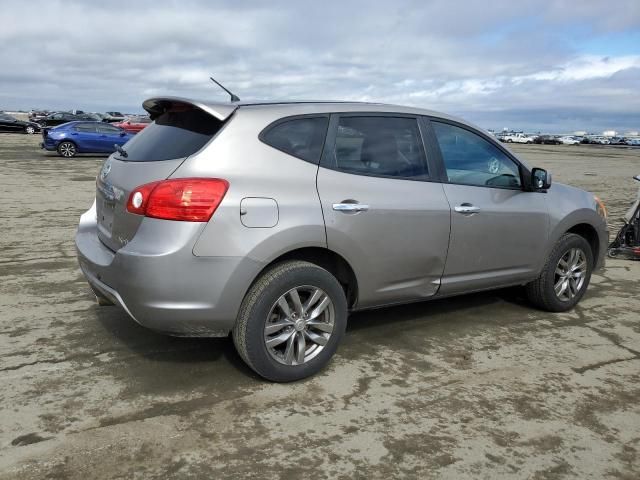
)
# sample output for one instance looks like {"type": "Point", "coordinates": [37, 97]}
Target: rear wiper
{"type": "Point", "coordinates": [121, 151]}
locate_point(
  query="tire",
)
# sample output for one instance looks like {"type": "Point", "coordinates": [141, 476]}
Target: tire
{"type": "Point", "coordinates": [542, 291]}
{"type": "Point", "coordinates": [29, 130]}
{"type": "Point", "coordinates": [261, 308]}
{"type": "Point", "coordinates": [509, 140]}
{"type": "Point", "coordinates": [67, 149]}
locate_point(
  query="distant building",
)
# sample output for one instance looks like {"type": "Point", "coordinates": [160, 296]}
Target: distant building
{"type": "Point", "coordinates": [609, 133]}
{"type": "Point", "coordinates": [580, 133]}
{"type": "Point", "coordinates": [632, 134]}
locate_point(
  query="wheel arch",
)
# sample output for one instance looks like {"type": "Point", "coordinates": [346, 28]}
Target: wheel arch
{"type": "Point", "coordinates": [590, 234]}
{"type": "Point", "coordinates": [331, 261]}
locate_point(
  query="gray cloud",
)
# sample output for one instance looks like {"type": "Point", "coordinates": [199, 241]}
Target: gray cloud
{"type": "Point", "coordinates": [504, 62]}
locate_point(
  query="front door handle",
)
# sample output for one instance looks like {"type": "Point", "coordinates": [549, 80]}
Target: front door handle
{"type": "Point", "coordinates": [466, 209]}
{"type": "Point", "coordinates": [350, 207]}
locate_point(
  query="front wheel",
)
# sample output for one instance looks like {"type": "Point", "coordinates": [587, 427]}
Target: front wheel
{"type": "Point", "coordinates": [565, 277]}
{"type": "Point", "coordinates": [291, 321]}
{"type": "Point", "coordinates": [67, 149]}
{"type": "Point", "coordinates": [30, 130]}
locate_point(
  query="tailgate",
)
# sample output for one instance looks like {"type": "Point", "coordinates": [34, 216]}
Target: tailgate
{"type": "Point", "coordinates": [180, 129]}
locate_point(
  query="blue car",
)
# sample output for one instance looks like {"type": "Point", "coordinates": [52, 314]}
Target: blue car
{"type": "Point", "coordinates": [71, 138]}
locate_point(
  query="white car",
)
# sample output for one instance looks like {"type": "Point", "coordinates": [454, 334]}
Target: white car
{"type": "Point", "coordinates": [634, 142]}
{"type": "Point", "coordinates": [570, 140]}
{"type": "Point", "coordinates": [518, 138]}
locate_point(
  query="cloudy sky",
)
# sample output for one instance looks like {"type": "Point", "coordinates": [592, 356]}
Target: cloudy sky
{"type": "Point", "coordinates": [539, 65]}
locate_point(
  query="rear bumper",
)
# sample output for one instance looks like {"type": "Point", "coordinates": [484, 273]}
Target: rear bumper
{"type": "Point", "coordinates": [158, 281]}
{"type": "Point", "coordinates": [48, 143]}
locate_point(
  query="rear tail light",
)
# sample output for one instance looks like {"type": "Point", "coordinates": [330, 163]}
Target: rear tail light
{"type": "Point", "coordinates": [183, 199]}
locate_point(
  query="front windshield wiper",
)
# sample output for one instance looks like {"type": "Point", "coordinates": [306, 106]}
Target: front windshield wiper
{"type": "Point", "coordinates": [121, 151]}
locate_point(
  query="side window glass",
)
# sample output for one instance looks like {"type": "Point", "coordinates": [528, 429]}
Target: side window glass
{"type": "Point", "coordinates": [472, 160]}
{"type": "Point", "coordinates": [381, 146]}
{"type": "Point", "coordinates": [108, 129]}
{"type": "Point", "coordinates": [85, 128]}
{"type": "Point", "coordinates": [300, 137]}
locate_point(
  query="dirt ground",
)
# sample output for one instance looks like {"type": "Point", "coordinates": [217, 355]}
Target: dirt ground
{"type": "Point", "coordinates": [481, 386]}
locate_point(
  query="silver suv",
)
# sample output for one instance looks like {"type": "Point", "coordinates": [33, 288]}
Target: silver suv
{"type": "Point", "coordinates": [271, 221]}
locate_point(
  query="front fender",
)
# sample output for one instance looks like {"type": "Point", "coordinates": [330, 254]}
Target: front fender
{"type": "Point", "coordinates": [570, 208]}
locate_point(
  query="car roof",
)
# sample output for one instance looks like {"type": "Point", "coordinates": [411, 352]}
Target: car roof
{"type": "Point", "coordinates": [222, 110]}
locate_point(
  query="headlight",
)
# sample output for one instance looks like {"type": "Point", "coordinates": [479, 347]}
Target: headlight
{"type": "Point", "coordinates": [600, 207]}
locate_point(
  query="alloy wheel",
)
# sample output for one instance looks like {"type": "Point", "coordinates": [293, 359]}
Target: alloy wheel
{"type": "Point", "coordinates": [299, 325]}
{"type": "Point", "coordinates": [67, 149]}
{"type": "Point", "coordinates": [570, 274]}
{"type": "Point", "coordinates": [30, 130]}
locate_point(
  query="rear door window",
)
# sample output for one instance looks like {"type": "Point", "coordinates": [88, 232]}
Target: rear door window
{"type": "Point", "coordinates": [380, 146]}
{"type": "Point", "coordinates": [301, 137]}
{"type": "Point", "coordinates": [108, 129]}
{"type": "Point", "coordinates": [173, 135]}
{"type": "Point", "coordinates": [85, 128]}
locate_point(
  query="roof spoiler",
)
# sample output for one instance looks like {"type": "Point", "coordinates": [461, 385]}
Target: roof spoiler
{"type": "Point", "coordinates": [158, 105]}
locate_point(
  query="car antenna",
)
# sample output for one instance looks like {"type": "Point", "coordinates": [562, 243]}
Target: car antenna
{"type": "Point", "coordinates": [234, 97]}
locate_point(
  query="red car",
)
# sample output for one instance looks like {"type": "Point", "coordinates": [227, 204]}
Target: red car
{"type": "Point", "coordinates": [134, 124]}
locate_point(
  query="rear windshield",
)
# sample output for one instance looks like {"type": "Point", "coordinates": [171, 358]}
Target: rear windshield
{"type": "Point", "coordinates": [174, 134]}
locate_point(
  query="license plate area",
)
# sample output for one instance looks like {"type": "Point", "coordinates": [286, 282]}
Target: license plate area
{"type": "Point", "coordinates": [105, 216]}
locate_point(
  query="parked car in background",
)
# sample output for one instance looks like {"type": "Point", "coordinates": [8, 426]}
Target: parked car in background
{"type": "Point", "coordinates": [547, 140]}
{"type": "Point", "coordinates": [113, 117]}
{"type": "Point", "coordinates": [633, 142]}
{"type": "Point", "coordinates": [58, 118]}
{"type": "Point", "coordinates": [617, 141]}
{"type": "Point", "coordinates": [134, 124]}
{"type": "Point", "coordinates": [258, 220]}
{"type": "Point", "coordinates": [99, 117]}
{"type": "Point", "coordinates": [37, 115]}
{"type": "Point", "coordinates": [518, 138]}
{"type": "Point", "coordinates": [570, 140]}
{"type": "Point", "coordinates": [595, 140]}
{"type": "Point", "coordinates": [83, 137]}
{"type": "Point", "coordinates": [93, 117]}
{"type": "Point", "coordinates": [11, 124]}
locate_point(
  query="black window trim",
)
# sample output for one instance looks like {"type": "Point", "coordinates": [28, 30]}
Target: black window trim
{"type": "Point", "coordinates": [525, 174]}
{"type": "Point", "coordinates": [263, 133]}
{"type": "Point", "coordinates": [332, 133]}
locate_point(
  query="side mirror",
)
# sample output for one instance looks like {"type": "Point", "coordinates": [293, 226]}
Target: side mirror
{"type": "Point", "coordinates": [122, 134]}
{"type": "Point", "coordinates": [540, 179]}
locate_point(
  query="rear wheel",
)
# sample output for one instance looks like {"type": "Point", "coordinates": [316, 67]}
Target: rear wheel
{"type": "Point", "coordinates": [565, 277]}
{"type": "Point", "coordinates": [67, 149]}
{"type": "Point", "coordinates": [291, 321]}
{"type": "Point", "coordinates": [30, 129]}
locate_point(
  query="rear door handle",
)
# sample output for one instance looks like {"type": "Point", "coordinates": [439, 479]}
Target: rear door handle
{"type": "Point", "coordinates": [466, 208]}
{"type": "Point", "coordinates": [350, 207]}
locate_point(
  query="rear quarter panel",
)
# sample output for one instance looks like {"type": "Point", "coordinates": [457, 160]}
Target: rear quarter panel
{"type": "Point", "coordinates": [254, 169]}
